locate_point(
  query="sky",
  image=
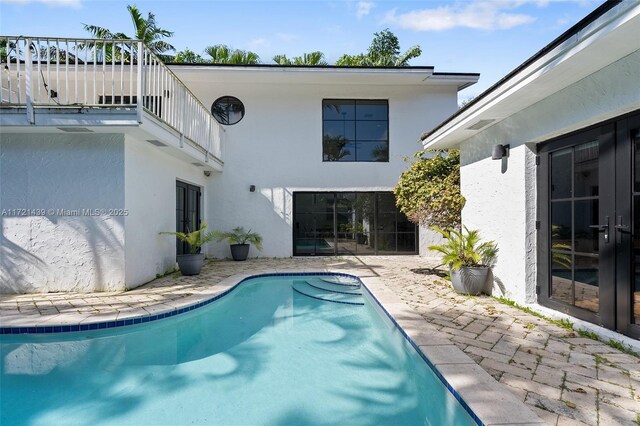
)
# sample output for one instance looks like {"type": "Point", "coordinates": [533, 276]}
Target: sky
{"type": "Point", "coordinates": [490, 37]}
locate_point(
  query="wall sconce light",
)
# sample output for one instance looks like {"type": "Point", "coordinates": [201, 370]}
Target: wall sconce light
{"type": "Point", "coordinates": [252, 188]}
{"type": "Point", "coordinates": [500, 151]}
{"type": "Point", "coordinates": [207, 173]}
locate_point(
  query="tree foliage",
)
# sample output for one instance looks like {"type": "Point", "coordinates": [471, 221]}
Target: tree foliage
{"type": "Point", "coordinates": [384, 51]}
{"type": "Point", "coordinates": [311, 58]}
{"type": "Point", "coordinates": [429, 191]}
{"type": "Point", "coordinates": [334, 148]}
{"type": "Point", "coordinates": [223, 54]}
{"type": "Point", "coordinates": [188, 56]}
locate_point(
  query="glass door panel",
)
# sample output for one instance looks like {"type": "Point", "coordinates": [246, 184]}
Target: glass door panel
{"type": "Point", "coordinates": [635, 276]}
{"type": "Point", "coordinates": [574, 232]}
{"type": "Point", "coordinates": [589, 206]}
{"type": "Point", "coordinates": [586, 291]}
{"type": "Point", "coordinates": [366, 221]}
{"type": "Point", "coordinates": [187, 212]}
{"type": "Point", "coordinates": [351, 223]}
{"type": "Point", "coordinates": [562, 277]}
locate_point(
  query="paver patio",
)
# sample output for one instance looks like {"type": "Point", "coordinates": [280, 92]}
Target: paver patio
{"type": "Point", "coordinates": [566, 379]}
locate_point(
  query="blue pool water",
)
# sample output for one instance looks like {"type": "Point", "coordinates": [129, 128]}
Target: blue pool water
{"type": "Point", "coordinates": [274, 351]}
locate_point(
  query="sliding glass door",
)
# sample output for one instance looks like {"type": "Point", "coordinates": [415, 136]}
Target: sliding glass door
{"type": "Point", "coordinates": [342, 223]}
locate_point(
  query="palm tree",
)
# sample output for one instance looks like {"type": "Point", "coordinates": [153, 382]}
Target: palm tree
{"type": "Point", "coordinates": [188, 56]}
{"type": "Point", "coordinates": [146, 30]}
{"type": "Point", "coordinates": [222, 54]}
{"type": "Point", "coordinates": [311, 58]}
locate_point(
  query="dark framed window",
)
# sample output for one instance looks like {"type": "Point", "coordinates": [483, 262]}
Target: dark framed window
{"type": "Point", "coordinates": [350, 223]}
{"type": "Point", "coordinates": [355, 130]}
{"type": "Point", "coordinates": [227, 110]}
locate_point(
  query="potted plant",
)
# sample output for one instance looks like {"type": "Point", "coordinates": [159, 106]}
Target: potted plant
{"type": "Point", "coordinates": [468, 258]}
{"type": "Point", "coordinates": [240, 241]}
{"type": "Point", "coordinates": [191, 263]}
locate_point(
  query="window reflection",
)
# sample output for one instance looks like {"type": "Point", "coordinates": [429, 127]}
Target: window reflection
{"type": "Point", "coordinates": [574, 210]}
{"type": "Point", "coordinates": [355, 130]}
{"type": "Point", "coordinates": [351, 223]}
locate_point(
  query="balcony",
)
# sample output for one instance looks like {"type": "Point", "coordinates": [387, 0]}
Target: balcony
{"type": "Point", "coordinates": [103, 85]}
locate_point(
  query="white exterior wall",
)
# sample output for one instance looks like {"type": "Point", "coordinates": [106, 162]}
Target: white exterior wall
{"type": "Point", "coordinates": [57, 251]}
{"type": "Point", "coordinates": [150, 199]}
{"type": "Point", "coordinates": [278, 148]}
{"type": "Point", "coordinates": [502, 207]}
{"type": "Point", "coordinates": [501, 195]}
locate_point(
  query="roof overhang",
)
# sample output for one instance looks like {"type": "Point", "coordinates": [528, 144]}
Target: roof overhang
{"type": "Point", "coordinates": [277, 74]}
{"type": "Point", "coordinates": [602, 38]}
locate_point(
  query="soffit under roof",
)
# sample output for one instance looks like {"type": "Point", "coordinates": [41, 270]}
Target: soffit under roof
{"type": "Point", "coordinates": [608, 39]}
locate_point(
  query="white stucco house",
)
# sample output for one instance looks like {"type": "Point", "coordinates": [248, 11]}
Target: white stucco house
{"type": "Point", "coordinates": [104, 147]}
{"type": "Point", "coordinates": [562, 199]}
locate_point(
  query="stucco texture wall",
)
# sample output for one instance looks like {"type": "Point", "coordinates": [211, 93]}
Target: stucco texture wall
{"type": "Point", "coordinates": [150, 197]}
{"type": "Point", "coordinates": [278, 148]}
{"type": "Point", "coordinates": [501, 195]}
{"type": "Point", "coordinates": [49, 241]}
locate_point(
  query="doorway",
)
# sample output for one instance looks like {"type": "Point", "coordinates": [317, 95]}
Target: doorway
{"type": "Point", "coordinates": [188, 199]}
{"type": "Point", "coordinates": [589, 208]}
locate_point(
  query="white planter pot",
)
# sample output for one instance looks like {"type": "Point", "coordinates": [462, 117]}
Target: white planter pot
{"type": "Point", "coordinates": [469, 280]}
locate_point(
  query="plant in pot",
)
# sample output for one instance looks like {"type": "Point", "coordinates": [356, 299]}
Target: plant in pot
{"type": "Point", "coordinates": [240, 241]}
{"type": "Point", "coordinates": [191, 263]}
{"type": "Point", "coordinates": [468, 257]}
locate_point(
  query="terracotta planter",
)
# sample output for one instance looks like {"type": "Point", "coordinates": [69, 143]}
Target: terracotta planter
{"type": "Point", "coordinates": [469, 280]}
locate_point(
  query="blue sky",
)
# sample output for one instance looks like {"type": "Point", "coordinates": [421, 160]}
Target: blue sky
{"type": "Point", "coordinates": [486, 36]}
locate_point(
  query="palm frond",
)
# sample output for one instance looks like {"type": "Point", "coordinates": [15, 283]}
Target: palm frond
{"type": "Point", "coordinates": [403, 60]}
{"type": "Point", "coordinates": [465, 248]}
{"type": "Point", "coordinates": [194, 239]}
{"type": "Point", "coordinates": [281, 60]}
{"type": "Point", "coordinates": [239, 235]}
{"type": "Point", "coordinates": [98, 32]}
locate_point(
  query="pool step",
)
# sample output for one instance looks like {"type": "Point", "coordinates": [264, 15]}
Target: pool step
{"type": "Point", "coordinates": [323, 285]}
{"type": "Point", "coordinates": [315, 292]}
{"type": "Point", "coordinates": [342, 281]}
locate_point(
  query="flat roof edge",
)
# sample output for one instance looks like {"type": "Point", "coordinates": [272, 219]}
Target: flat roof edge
{"type": "Point", "coordinates": [276, 66]}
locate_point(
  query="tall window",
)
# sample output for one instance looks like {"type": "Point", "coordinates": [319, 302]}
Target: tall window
{"type": "Point", "coordinates": [355, 130]}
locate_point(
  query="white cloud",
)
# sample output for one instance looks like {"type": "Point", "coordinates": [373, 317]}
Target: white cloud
{"type": "Point", "coordinates": [257, 43]}
{"type": "Point", "coordinates": [481, 15]}
{"type": "Point", "coordinates": [286, 37]}
{"type": "Point", "coordinates": [62, 3]}
{"type": "Point", "coordinates": [363, 8]}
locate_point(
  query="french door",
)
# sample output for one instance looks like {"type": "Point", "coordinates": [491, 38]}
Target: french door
{"type": "Point", "coordinates": [187, 212]}
{"type": "Point", "coordinates": [589, 244]}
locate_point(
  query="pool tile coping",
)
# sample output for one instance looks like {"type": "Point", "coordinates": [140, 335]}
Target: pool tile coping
{"type": "Point", "coordinates": [484, 399]}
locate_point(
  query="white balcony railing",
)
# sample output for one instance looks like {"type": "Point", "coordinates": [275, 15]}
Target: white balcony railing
{"type": "Point", "coordinates": [89, 73]}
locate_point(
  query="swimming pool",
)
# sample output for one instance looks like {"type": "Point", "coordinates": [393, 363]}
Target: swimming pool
{"type": "Point", "coordinates": [276, 350]}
